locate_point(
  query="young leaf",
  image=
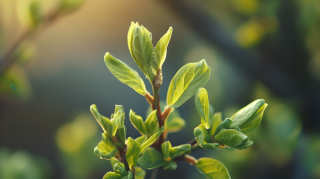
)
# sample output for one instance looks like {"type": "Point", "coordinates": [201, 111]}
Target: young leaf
{"type": "Point", "coordinates": [68, 5]}
{"type": "Point", "coordinates": [112, 175]}
{"type": "Point", "coordinates": [151, 159]}
{"type": "Point", "coordinates": [140, 173]}
{"type": "Point", "coordinates": [172, 165]}
{"type": "Point", "coordinates": [121, 134]}
{"type": "Point", "coordinates": [203, 139]}
{"type": "Point", "coordinates": [212, 168]}
{"type": "Point", "coordinates": [29, 13]}
{"type": "Point", "coordinates": [125, 74]}
{"type": "Point", "coordinates": [141, 139]}
{"type": "Point", "coordinates": [104, 122]}
{"type": "Point", "coordinates": [231, 138]}
{"type": "Point", "coordinates": [137, 122]}
{"type": "Point", "coordinates": [113, 162]}
{"type": "Point", "coordinates": [225, 124]}
{"type": "Point", "coordinates": [246, 145]}
{"type": "Point", "coordinates": [215, 121]}
{"type": "Point", "coordinates": [141, 48]}
{"type": "Point", "coordinates": [133, 152]}
{"type": "Point", "coordinates": [202, 105]}
{"type": "Point", "coordinates": [254, 122]}
{"type": "Point", "coordinates": [186, 82]}
{"type": "Point", "coordinates": [152, 124]}
{"type": "Point", "coordinates": [106, 148]}
{"type": "Point", "coordinates": [160, 51]}
{"type": "Point", "coordinates": [166, 148]}
{"type": "Point", "coordinates": [118, 117]}
{"type": "Point", "coordinates": [253, 112]}
{"type": "Point", "coordinates": [119, 168]}
{"type": "Point", "coordinates": [174, 124]}
{"type": "Point", "coordinates": [151, 139]}
{"type": "Point", "coordinates": [181, 149]}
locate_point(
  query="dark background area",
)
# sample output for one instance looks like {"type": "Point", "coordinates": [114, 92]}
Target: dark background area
{"type": "Point", "coordinates": [255, 48]}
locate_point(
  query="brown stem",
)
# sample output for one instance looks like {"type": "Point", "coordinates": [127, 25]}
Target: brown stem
{"type": "Point", "coordinates": [133, 170]}
{"type": "Point", "coordinates": [154, 173]}
{"type": "Point", "coordinates": [150, 99]}
{"type": "Point", "coordinates": [191, 160]}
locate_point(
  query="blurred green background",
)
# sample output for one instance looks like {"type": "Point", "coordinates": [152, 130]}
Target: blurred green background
{"type": "Point", "coordinates": [266, 49]}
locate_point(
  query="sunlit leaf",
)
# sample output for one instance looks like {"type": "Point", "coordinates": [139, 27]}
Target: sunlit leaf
{"type": "Point", "coordinates": [106, 148]}
{"type": "Point", "coordinates": [68, 5]}
{"type": "Point", "coordinates": [225, 124]}
{"type": "Point", "coordinates": [119, 168]}
{"type": "Point", "coordinates": [125, 74]}
{"type": "Point", "coordinates": [118, 116]}
{"type": "Point", "coordinates": [174, 122]}
{"type": "Point", "coordinates": [133, 152]}
{"type": "Point", "coordinates": [166, 148]}
{"type": "Point", "coordinates": [212, 168]}
{"type": "Point", "coordinates": [172, 165]}
{"type": "Point", "coordinates": [203, 139]}
{"type": "Point", "coordinates": [141, 139]}
{"type": "Point", "coordinates": [104, 122]}
{"type": "Point", "coordinates": [141, 48]}
{"type": "Point", "coordinates": [231, 138]}
{"type": "Point", "coordinates": [121, 134]}
{"type": "Point", "coordinates": [112, 175]}
{"type": "Point", "coordinates": [151, 139]}
{"type": "Point", "coordinates": [186, 83]}
{"type": "Point", "coordinates": [137, 122]}
{"type": "Point", "coordinates": [152, 123]}
{"type": "Point", "coordinates": [202, 105]}
{"type": "Point", "coordinates": [113, 162]}
{"type": "Point", "coordinates": [151, 158]}
{"type": "Point", "coordinates": [215, 121]}
{"type": "Point", "coordinates": [160, 50]}
{"type": "Point", "coordinates": [140, 173]}
{"type": "Point", "coordinates": [29, 13]}
{"type": "Point", "coordinates": [181, 149]}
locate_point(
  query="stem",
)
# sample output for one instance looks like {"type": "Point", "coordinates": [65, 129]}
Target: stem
{"type": "Point", "coordinates": [150, 99]}
{"type": "Point", "coordinates": [191, 160]}
{"type": "Point", "coordinates": [195, 147]}
{"type": "Point", "coordinates": [133, 170]}
{"type": "Point", "coordinates": [156, 106]}
{"type": "Point", "coordinates": [154, 173]}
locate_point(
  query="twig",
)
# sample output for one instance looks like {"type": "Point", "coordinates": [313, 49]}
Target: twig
{"type": "Point", "coordinates": [154, 173]}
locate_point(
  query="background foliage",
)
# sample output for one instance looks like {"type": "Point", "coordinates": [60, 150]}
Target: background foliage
{"type": "Point", "coordinates": [256, 49]}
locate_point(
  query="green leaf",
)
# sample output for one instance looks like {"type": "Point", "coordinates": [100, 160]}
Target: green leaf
{"type": "Point", "coordinates": [181, 149]}
{"type": "Point", "coordinates": [151, 159]}
{"type": "Point", "coordinates": [114, 161]}
{"type": "Point", "coordinates": [141, 48]}
{"type": "Point", "coordinates": [112, 175]}
{"type": "Point", "coordinates": [215, 121]}
{"type": "Point", "coordinates": [69, 5]}
{"type": "Point", "coordinates": [133, 152]}
{"type": "Point", "coordinates": [202, 105]}
{"type": "Point", "coordinates": [254, 122]}
{"type": "Point", "coordinates": [152, 124]}
{"type": "Point", "coordinates": [125, 74]}
{"type": "Point", "coordinates": [141, 139]}
{"type": "Point", "coordinates": [104, 122]}
{"type": "Point", "coordinates": [203, 139]}
{"type": "Point", "coordinates": [29, 13]}
{"type": "Point", "coordinates": [166, 148]}
{"type": "Point", "coordinates": [246, 145]}
{"type": "Point", "coordinates": [160, 50]}
{"type": "Point", "coordinates": [140, 173]}
{"type": "Point", "coordinates": [137, 122]}
{"type": "Point", "coordinates": [106, 148]}
{"type": "Point", "coordinates": [212, 168]}
{"type": "Point", "coordinates": [186, 82]}
{"type": "Point", "coordinates": [174, 124]}
{"type": "Point", "coordinates": [251, 113]}
{"type": "Point", "coordinates": [172, 165]}
{"type": "Point", "coordinates": [121, 134]}
{"type": "Point", "coordinates": [231, 138]}
{"type": "Point", "coordinates": [225, 124]}
{"type": "Point", "coordinates": [119, 168]}
{"type": "Point", "coordinates": [118, 117]}
{"type": "Point", "coordinates": [151, 139]}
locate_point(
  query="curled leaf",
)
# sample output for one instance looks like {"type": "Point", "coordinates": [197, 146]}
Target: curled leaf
{"type": "Point", "coordinates": [202, 105]}
{"type": "Point", "coordinates": [137, 122]}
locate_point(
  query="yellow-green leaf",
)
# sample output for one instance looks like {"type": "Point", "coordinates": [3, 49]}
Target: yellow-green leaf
{"type": "Point", "coordinates": [202, 105]}
{"type": "Point", "coordinates": [141, 48]}
{"type": "Point", "coordinates": [151, 140]}
{"type": "Point", "coordinates": [160, 51]}
{"type": "Point", "coordinates": [152, 123]}
{"type": "Point", "coordinates": [137, 122]}
{"type": "Point", "coordinates": [106, 148]}
{"type": "Point", "coordinates": [181, 149]}
{"type": "Point", "coordinates": [151, 158]}
{"type": "Point", "coordinates": [212, 168]}
{"type": "Point", "coordinates": [133, 152]}
{"type": "Point", "coordinates": [112, 175]}
{"type": "Point", "coordinates": [68, 5]}
{"type": "Point", "coordinates": [141, 139]}
{"type": "Point", "coordinates": [172, 165]}
{"type": "Point", "coordinates": [125, 74]}
{"type": "Point", "coordinates": [232, 138]}
{"type": "Point", "coordinates": [203, 139]}
{"type": "Point", "coordinates": [140, 173]}
{"type": "Point", "coordinates": [215, 121]}
{"type": "Point", "coordinates": [186, 82]}
{"type": "Point", "coordinates": [29, 13]}
{"type": "Point", "coordinates": [104, 122]}
{"type": "Point", "coordinates": [166, 148]}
